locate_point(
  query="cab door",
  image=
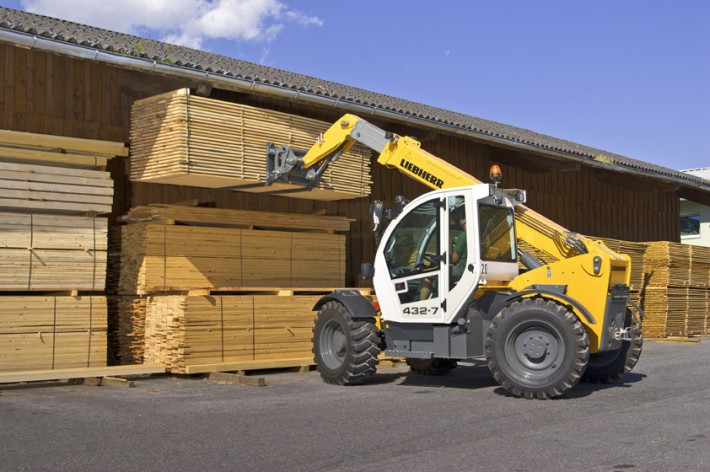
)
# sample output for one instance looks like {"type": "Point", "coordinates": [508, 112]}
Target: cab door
{"type": "Point", "coordinates": [414, 278]}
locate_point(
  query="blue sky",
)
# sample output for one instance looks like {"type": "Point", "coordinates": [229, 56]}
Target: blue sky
{"type": "Point", "coordinates": [628, 76]}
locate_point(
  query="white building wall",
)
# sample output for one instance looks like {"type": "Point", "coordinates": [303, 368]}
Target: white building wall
{"type": "Point", "coordinates": [690, 209]}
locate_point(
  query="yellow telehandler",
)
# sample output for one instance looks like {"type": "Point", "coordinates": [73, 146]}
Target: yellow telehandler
{"type": "Point", "coordinates": [451, 283]}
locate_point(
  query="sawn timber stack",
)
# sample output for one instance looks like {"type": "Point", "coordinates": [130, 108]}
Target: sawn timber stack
{"type": "Point", "coordinates": [52, 243]}
{"type": "Point", "coordinates": [225, 249]}
{"type": "Point", "coordinates": [184, 332]}
{"type": "Point", "coordinates": [182, 139]}
{"type": "Point", "coordinates": [192, 284]}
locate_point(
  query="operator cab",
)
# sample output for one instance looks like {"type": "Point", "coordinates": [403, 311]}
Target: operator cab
{"type": "Point", "coordinates": [441, 247]}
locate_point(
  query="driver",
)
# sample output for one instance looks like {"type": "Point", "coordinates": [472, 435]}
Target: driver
{"type": "Point", "coordinates": [458, 259]}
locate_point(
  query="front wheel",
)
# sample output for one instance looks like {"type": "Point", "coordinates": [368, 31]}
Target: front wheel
{"type": "Point", "coordinates": [610, 366]}
{"type": "Point", "coordinates": [345, 350]}
{"type": "Point", "coordinates": [536, 348]}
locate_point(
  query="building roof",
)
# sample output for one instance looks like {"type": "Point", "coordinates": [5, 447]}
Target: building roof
{"type": "Point", "coordinates": [179, 58]}
{"type": "Point", "coordinates": [703, 172]}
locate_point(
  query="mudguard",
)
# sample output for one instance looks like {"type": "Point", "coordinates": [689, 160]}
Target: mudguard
{"type": "Point", "coordinates": [357, 305]}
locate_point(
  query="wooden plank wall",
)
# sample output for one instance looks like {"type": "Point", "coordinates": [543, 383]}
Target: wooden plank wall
{"type": "Point", "coordinates": [46, 93]}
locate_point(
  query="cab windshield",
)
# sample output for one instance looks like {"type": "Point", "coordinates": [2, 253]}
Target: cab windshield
{"type": "Point", "coordinates": [413, 246]}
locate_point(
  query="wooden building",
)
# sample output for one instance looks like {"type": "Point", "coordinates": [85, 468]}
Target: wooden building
{"type": "Point", "coordinates": [67, 79]}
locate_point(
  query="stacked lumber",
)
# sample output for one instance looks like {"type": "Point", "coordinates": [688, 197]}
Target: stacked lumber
{"type": "Point", "coordinates": [52, 332]}
{"type": "Point", "coordinates": [189, 331]}
{"type": "Point", "coordinates": [126, 328]}
{"type": "Point", "coordinates": [699, 263]}
{"type": "Point", "coordinates": [57, 151]}
{"type": "Point", "coordinates": [200, 216]}
{"type": "Point", "coordinates": [181, 139]}
{"type": "Point", "coordinates": [677, 295]}
{"type": "Point", "coordinates": [667, 263]}
{"type": "Point", "coordinates": [164, 250]}
{"type": "Point", "coordinates": [48, 189]}
{"type": "Point", "coordinates": [52, 252]}
{"type": "Point", "coordinates": [160, 257]}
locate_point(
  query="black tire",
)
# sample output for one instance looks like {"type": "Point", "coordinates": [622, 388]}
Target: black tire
{"type": "Point", "coordinates": [536, 348]}
{"type": "Point", "coordinates": [610, 366]}
{"type": "Point", "coordinates": [345, 350]}
{"type": "Point", "coordinates": [435, 366]}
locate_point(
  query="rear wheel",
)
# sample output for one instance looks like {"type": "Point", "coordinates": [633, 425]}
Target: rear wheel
{"type": "Point", "coordinates": [610, 366]}
{"type": "Point", "coordinates": [435, 366]}
{"type": "Point", "coordinates": [345, 350]}
{"type": "Point", "coordinates": [536, 348]}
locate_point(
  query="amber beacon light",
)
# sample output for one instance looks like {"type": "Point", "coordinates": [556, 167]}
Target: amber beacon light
{"type": "Point", "coordinates": [495, 174]}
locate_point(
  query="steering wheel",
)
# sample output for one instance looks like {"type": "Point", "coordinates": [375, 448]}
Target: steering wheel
{"type": "Point", "coordinates": [432, 260]}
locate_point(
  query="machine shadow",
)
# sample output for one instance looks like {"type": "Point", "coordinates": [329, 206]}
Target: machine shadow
{"type": "Point", "coordinates": [582, 390]}
{"type": "Point", "coordinates": [475, 375]}
{"type": "Point", "coordinates": [467, 375]}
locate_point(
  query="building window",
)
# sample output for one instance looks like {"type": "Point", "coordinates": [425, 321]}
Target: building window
{"type": "Point", "coordinates": [690, 226]}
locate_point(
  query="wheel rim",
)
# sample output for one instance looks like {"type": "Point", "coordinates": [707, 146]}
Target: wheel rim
{"type": "Point", "coordinates": [535, 350]}
{"type": "Point", "coordinates": [333, 345]}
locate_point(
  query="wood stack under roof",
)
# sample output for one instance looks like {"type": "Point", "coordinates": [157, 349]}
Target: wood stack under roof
{"type": "Point", "coordinates": [52, 332]}
{"type": "Point", "coordinates": [53, 250]}
{"type": "Point", "coordinates": [167, 253]}
{"type": "Point", "coordinates": [182, 139]}
{"type": "Point", "coordinates": [677, 292]}
{"type": "Point", "coordinates": [190, 334]}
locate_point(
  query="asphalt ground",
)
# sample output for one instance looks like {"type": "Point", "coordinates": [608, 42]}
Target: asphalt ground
{"type": "Point", "coordinates": [656, 419]}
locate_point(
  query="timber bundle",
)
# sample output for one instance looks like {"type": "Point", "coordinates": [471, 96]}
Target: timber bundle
{"type": "Point", "coordinates": [204, 286]}
{"type": "Point", "coordinates": [188, 334]}
{"type": "Point", "coordinates": [677, 291]}
{"type": "Point", "coordinates": [182, 139]}
{"type": "Point", "coordinates": [53, 250]}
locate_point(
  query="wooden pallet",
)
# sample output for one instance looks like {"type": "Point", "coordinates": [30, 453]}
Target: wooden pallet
{"type": "Point", "coordinates": [246, 366]}
{"type": "Point", "coordinates": [79, 373]}
{"type": "Point", "coordinates": [180, 139]}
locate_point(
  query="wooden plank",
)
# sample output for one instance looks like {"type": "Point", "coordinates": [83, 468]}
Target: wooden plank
{"type": "Point", "coordinates": [71, 145]}
{"type": "Point", "coordinates": [63, 374]}
{"type": "Point", "coordinates": [237, 379]}
{"type": "Point", "coordinates": [249, 365]}
{"type": "Point", "coordinates": [13, 154]}
{"type": "Point", "coordinates": [219, 217]}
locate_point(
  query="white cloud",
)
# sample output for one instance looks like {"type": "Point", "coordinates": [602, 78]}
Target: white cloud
{"type": "Point", "coordinates": [183, 22]}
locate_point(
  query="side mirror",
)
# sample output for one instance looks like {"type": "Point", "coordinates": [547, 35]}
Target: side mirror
{"type": "Point", "coordinates": [367, 270]}
{"type": "Point", "coordinates": [376, 210]}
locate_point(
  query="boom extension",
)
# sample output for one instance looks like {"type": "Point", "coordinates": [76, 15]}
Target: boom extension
{"type": "Point", "coordinates": [405, 154]}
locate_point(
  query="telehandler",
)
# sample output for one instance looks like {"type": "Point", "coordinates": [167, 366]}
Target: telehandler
{"type": "Point", "coordinates": [451, 283]}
